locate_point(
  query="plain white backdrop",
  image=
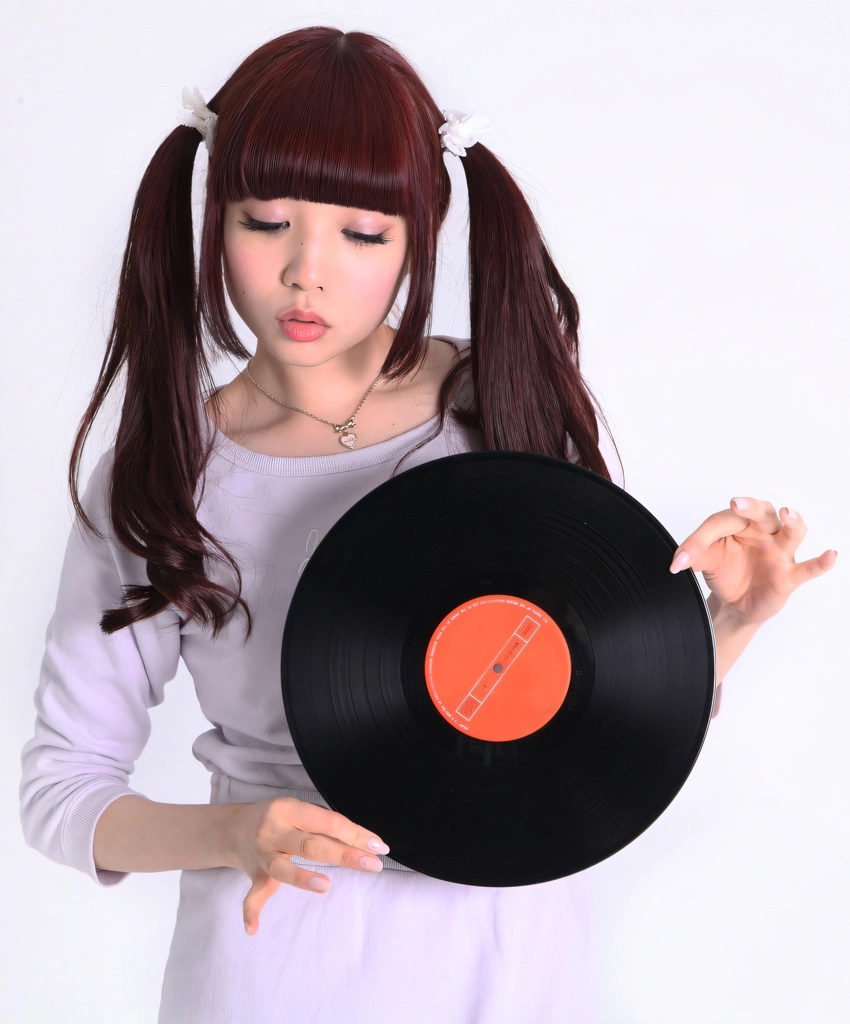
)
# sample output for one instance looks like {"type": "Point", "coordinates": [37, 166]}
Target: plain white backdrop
{"type": "Point", "coordinates": [689, 165]}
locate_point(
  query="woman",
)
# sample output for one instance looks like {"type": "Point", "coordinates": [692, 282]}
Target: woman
{"type": "Point", "coordinates": [326, 191]}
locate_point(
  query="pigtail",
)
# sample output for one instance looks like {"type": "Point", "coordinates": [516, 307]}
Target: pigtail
{"type": "Point", "coordinates": [297, 118]}
{"type": "Point", "coordinates": [161, 446]}
{"type": "Point", "coordinates": [524, 326]}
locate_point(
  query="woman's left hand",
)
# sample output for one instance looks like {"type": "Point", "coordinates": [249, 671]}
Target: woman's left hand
{"type": "Point", "coordinates": [746, 555]}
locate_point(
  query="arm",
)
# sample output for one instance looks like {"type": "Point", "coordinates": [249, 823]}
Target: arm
{"type": "Point", "coordinates": [137, 834]}
{"type": "Point", "coordinates": [746, 556]}
{"type": "Point", "coordinates": [730, 639]}
{"type": "Point", "coordinates": [93, 696]}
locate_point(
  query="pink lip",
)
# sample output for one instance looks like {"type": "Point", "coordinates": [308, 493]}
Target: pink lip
{"type": "Point", "coordinates": [304, 315]}
{"type": "Point", "coordinates": [297, 331]}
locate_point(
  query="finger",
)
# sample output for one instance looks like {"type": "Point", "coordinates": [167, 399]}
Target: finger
{"type": "Point", "coordinates": [314, 818]}
{"type": "Point", "coordinates": [319, 847]}
{"type": "Point", "coordinates": [762, 513]}
{"type": "Point", "coordinates": [793, 531]}
{"type": "Point", "coordinates": [814, 567]}
{"type": "Point", "coordinates": [263, 887]}
{"type": "Point", "coordinates": [719, 525]}
{"type": "Point", "coordinates": [266, 885]}
{"type": "Point", "coordinates": [751, 512]}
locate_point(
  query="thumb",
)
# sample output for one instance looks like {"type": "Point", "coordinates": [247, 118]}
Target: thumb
{"type": "Point", "coordinates": [264, 886]}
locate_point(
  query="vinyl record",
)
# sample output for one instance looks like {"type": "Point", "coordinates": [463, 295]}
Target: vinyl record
{"type": "Point", "coordinates": [487, 662]}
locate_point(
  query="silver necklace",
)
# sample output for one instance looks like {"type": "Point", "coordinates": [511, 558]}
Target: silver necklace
{"type": "Point", "coordinates": [347, 438]}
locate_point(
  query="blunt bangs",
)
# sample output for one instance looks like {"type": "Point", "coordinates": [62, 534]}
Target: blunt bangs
{"type": "Point", "coordinates": [328, 127]}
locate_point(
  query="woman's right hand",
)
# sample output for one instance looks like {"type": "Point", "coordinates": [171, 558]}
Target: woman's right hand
{"type": "Point", "coordinates": [264, 836]}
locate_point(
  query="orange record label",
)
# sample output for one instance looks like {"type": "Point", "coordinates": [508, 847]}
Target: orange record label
{"type": "Point", "coordinates": [497, 667]}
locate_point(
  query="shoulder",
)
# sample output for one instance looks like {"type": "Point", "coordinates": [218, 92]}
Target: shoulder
{"type": "Point", "coordinates": [460, 344]}
{"type": "Point", "coordinates": [459, 350]}
{"type": "Point", "coordinates": [451, 351]}
{"type": "Point", "coordinates": [95, 494]}
{"type": "Point", "coordinates": [224, 405]}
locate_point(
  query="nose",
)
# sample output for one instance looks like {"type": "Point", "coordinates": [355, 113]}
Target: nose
{"type": "Point", "coordinates": [304, 266]}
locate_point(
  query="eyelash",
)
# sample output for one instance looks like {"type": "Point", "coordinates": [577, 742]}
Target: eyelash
{"type": "Point", "coordinates": [358, 238]}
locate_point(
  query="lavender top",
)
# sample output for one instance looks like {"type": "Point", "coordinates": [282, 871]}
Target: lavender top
{"type": "Point", "coordinates": [95, 691]}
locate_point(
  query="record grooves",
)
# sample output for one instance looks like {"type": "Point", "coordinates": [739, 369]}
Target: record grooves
{"type": "Point", "coordinates": [487, 662]}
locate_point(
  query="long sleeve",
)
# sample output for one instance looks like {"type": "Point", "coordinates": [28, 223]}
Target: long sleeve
{"type": "Point", "coordinates": [93, 695]}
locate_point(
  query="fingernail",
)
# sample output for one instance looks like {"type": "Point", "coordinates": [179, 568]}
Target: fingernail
{"type": "Point", "coordinates": [376, 846]}
{"type": "Point", "coordinates": [248, 927]}
{"type": "Point", "coordinates": [319, 884]}
{"type": "Point", "coordinates": [792, 514]}
{"type": "Point", "coordinates": [680, 561]}
{"type": "Point", "coordinates": [371, 864]}
{"type": "Point", "coordinates": [741, 502]}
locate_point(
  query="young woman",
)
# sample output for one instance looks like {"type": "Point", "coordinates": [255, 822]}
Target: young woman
{"type": "Point", "coordinates": [326, 191]}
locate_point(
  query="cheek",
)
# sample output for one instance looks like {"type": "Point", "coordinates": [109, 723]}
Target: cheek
{"type": "Point", "coordinates": [245, 269]}
{"type": "Point", "coordinates": [379, 286]}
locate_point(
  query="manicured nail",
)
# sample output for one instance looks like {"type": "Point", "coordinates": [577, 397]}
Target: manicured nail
{"type": "Point", "coordinates": [792, 514]}
{"type": "Point", "coordinates": [376, 846]}
{"type": "Point", "coordinates": [680, 561]}
{"type": "Point", "coordinates": [371, 864]}
{"type": "Point", "coordinates": [741, 502]}
{"type": "Point", "coordinates": [319, 884]}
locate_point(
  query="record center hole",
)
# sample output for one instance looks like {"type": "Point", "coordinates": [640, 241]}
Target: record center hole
{"type": "Point", "coordinates": [497, 667]}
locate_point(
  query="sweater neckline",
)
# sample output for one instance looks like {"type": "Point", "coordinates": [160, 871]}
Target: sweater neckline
{"type": "Point", "coordinates": [318, 465]}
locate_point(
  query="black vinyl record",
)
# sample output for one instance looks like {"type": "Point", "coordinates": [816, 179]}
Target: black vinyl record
{"type": "Point", "coordinates": [488, 663]}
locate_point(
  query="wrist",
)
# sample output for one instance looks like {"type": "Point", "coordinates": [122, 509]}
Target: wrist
{"type": "Point", "coordinates": [724, 616]}
{"type": "Point", "coordinates": [227, 827]}
{"type": "Point", "coordinates": [731, 635]}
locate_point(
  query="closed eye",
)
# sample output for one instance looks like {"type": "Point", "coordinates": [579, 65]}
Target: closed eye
{"type": "Point", "coordinates": [260, 225]}
{"type": "Point", "coordinates": [273, 228]}
{"type": "Point", "coordinates": [360, 239]}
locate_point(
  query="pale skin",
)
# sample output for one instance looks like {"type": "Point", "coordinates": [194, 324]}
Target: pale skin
{"type": "Point", "coordinates": [315, 261]}
{"type": "Point", "coordinates": [746, 555]}
{"type": "Point", "coordinates": [317, 258]}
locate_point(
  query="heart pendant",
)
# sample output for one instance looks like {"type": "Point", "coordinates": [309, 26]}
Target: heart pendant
{"type": "Point", "coordinates": [349, 440]}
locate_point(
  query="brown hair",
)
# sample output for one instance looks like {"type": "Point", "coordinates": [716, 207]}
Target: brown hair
{"type": "Point", "coordinates": [297, 119]}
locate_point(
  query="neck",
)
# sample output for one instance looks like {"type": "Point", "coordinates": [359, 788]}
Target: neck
{"type": "Point", "coordinates": [331, 389]}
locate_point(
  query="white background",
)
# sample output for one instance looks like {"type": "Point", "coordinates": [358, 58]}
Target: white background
{"type": "Point", "coordinates": [689, 165]}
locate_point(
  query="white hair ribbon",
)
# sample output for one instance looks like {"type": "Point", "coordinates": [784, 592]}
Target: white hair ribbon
{"type": "Point", "coordinates": [198, 115]}
{"type": "Point", "coordinates": [460, 130]}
